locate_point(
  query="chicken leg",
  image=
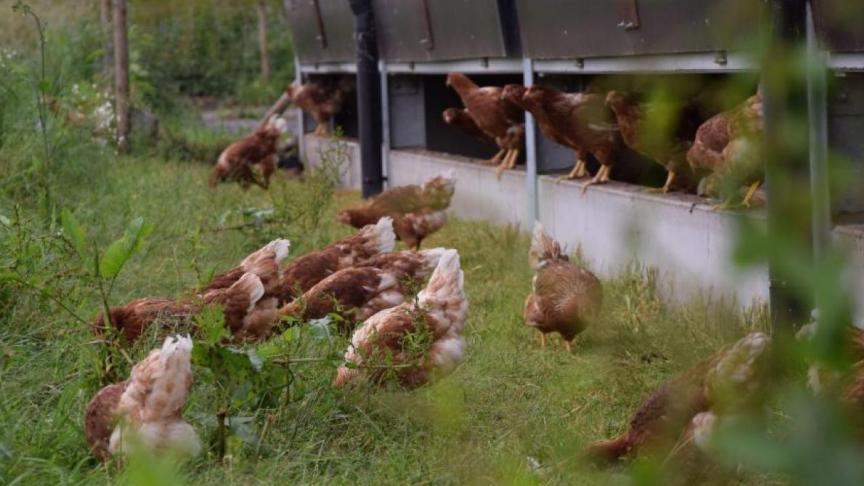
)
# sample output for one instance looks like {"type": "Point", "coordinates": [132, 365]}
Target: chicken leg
{"type": "Point", "coordinates": [670, 179]}
{"type": "Point", "coordinates": [542, 341]}
{"type": "Point", "coordinates": [601, 177]}
{"type": "Point", "coordinates": [508, 163]}
{"type": "Point", "coordinates": [750, 192]}
{"type": "Point", "coordinates": [579, 171]}
{"type": "Point", "coordinates": [497, 158]}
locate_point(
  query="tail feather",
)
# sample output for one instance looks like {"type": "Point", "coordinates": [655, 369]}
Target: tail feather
{"type": "Point", "coordinates": [432, 257]}
{"type": "Point", "coordinates": [543, 247]}
{"type": "Point", "coordinates": [380, 236]}
{"type": "Point", "coordinates": [444, 296]}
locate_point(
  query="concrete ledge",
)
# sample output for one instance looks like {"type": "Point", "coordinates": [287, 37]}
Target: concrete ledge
{"type": "Point", "coordinates": [612, 226]}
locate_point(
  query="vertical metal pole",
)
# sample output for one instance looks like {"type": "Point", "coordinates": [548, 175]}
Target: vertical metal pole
{"type": "Point", "coordinates": [530, 151]}
{"type": "Point", "coordinates": [817, 105]}
{"type": "Point", "coordinates": [385, 121]}
{"type": "Point", "coordinates": [786, 163]}
{"type": "Point", "coordinates": [368, 97]}
{"type": "Point", "coordinates": [301, 126]}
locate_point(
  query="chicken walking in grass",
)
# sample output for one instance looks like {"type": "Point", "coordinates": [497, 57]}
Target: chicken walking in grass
{"type": "Point", "coordinates": [237, 162]}
{"type": "Point", "coordinates": [304, 272]}
{"type": "Point", "coordinates": [580, 121]}
{"type": "Point", "coordinates": [565, 297]}
{"type": "Point", "coordinates": [416, 340]}
{"type": "Point", "coordinates": [498, 118]}
{"type": "Point", "coordinates": [417, 211]}
{"type": "Point", "coordinates": [244, 311]}
{"type": "Point", "coordinates": [660, 130]}
{"type": "Point", "coordinates": [146, 410]}
{"type": "Point", "coordinates": [729, 145]}
{"type": "Point", "coordinates": [321, 101]}
{"type": "Point", "coordinates": [360, 292]}
{"type": "Point", "coordinates": [721, 387]}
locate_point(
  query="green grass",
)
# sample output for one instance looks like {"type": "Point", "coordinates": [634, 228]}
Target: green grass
{"type": "Point", "coordinates": [511, 414]}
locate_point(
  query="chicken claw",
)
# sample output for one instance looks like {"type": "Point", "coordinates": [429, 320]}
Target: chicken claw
{"type": "Point", "coordinates": [601, 177]}
{"type": "Point", "coordinates": [508, 163]}
{"type": "Point", "coordinates": [579, 171]}
{"type": "Point", "coordinates": [497, 158]}
{"type": "Point", "coordinates": [670, 179]}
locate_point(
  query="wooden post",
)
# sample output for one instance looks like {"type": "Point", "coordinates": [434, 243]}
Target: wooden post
{"type": "Point", "coordinates": [262, 41]}
{"type": "Point", "coordinates": [121, 76]}
{"type": "Point", "coordinates": [107, 37]}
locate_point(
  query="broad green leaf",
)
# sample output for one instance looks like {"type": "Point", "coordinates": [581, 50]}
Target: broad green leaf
{"type": "Point", "coordinates": [119, 252]}
{"type": "Point", "coordinates": [114, 259]}
{"type": "Point", "coordinates": [75, 232]}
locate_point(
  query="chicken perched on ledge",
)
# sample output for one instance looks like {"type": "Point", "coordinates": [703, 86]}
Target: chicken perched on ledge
{"type": "Point", "coordinates": [359, 292]}
{"type": "Point", "coordinates": [416, 339]}
{"type": "Point", "coordinates": [244, 312]}
{"type": "Point", "coordinates": [728, 145]}
{"type": "Point", "coordinates": [258, 149]}
{"type": "Point", "coordinates": [417, 211]}
{"type": "Point", "coordinates": [580, 121]}
{"type": "Point", "coordinates": [321, 101]}
{"type": "Point", "coordinates": [145, 410]}
{"type": "Point", "coordinates": [724, 385]}
{"type": "Point", "coordinates": [460, 119]}
{"type": "Point", "coordinates": [498, 118]}
{"type": "Point", "coordinates": [304, 272]}
{"type": "Point", "coordinates": [659, 130]}
{"type": "Point", "coordinates": [565, 297]}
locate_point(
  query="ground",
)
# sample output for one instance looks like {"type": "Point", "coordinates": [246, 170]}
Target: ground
{"type": "Point", "coordinates": [512, 413]}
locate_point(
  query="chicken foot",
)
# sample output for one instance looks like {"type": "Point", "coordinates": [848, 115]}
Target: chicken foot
{"type": "Point", "coordinates": [508, 163]}
{"type": "Point", "coordinates": [497, 158]}
{"type": "Point", "coordinates": [750, 192]}
{"type": "Point", "coordinates": [670, 179]}
{"type": "Point", "coordinates": [321, 130]}
{"type": "Point", "coordinates": [601, 177]}
{"type": "Point", "coordinates": [579, 171]}
{"type": "Point", "coordinates": [745, 203]}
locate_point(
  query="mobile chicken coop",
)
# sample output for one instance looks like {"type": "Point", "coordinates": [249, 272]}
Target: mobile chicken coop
{"type": "Point", "coordinates": [567, 44]}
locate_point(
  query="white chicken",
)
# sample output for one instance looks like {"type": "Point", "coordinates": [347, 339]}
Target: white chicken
{"type": "Point", "coordinates": [413, 340]}
{"type": "Point", "coordinates": [145, 410]}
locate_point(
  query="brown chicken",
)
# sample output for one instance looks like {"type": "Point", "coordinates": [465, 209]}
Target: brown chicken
{"type": "Point", "coordinates": [724, 385]}
{"type": "Point", "coordinates": [580, 121]}
{"type": "Point", "coordinates": [303, 273]}
{"type": "Point", "coordinates": [243, 310]}
{"type": "Point", "coordinates": [848, 386]}
{"type": "Point", "coordinates": [658, 130]}
{"type": "Point", "coordinates": [321, 101]}
{"type": "Point", "coordinates": [727, 145]}
{"type": "Point", "coordinates": [359, 292]}
{"type": "Point", "coordinates": [565, 297]}
{"type": "Point", "coordinates": [415, 340]}
{"type": "Point", "coordinates": [145, 410]}
{"type": "Point", "coordinates": [266, 263]}
{"type": "Point", "coordinates": [258, 149]}
{"type": "Point", "coordinates": [417, 211]}
{"type": "Point", "coordinates": [463, 121]}
{"type": "Point", "coordinates": [498, 118]}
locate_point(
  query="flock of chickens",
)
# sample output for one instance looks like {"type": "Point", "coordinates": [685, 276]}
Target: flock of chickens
{"type": "Point", "coordinates": [361, 278]}
{"type": "Point", "coordinates": [695, 153]}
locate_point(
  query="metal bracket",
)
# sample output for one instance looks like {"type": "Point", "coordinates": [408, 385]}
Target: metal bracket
{"type": "Point", "coordinates": [322, 35]}
{"type": "Point", "coordinates": [428, 42]}
{"type": "Point", "coordinates": [629, 10]}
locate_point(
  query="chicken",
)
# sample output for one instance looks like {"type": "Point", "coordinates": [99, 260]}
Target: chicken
{"type": "Point", "coordinates": [243, 310]}
{"type": "Point", "coordinates": [321, 101]}
{"type": "Point", "coordinates": [565, 297]}
{"type": "Point", "coordinates": [580, 121]}
{"type": "Point", "coordinates": [303, 273]}
{"type": "Point", "coordinates": [417, 211]}
{"type": "Point", "coordinates": [659, 130]}
{"type": "Point", "coordinates": [725, 384]}
{"type": "Point", "coordinates": [257, 149]}
{"type": "Point", "coordinates": [847, 385]}
{"type": "Point", "coordinates": [359, 292]}
{"type": "Point", "coordinates": [463, 121]}
{"type": "Point", "coordinates": [145, 410]}
{"type": "Point", "coordinates": [415, 340]}
{"type": "Point", "coordinates": [266, 263]}
{"type": "Point", "coordinates": [498, 118]}
{"type": "Point", "coordinates": [728, 145]}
